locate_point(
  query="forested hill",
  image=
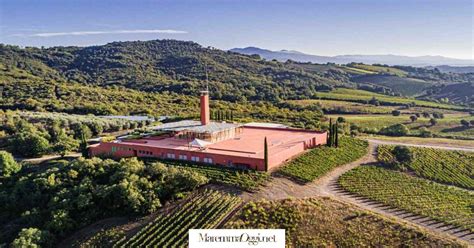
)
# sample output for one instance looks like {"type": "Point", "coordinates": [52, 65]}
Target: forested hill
{"type": "Point", "coordinates": [180, 66]}
{"type": "Point", "coordinates": [167, 65]}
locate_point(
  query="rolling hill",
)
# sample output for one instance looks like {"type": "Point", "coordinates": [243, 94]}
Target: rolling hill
{"type": "Point", "coordinates": [179, 67]}
{"type": "Point", "coordinates": [389, 59]}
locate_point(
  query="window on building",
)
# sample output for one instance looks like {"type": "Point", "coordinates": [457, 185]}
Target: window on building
{"type": "Point", "coordinates": [170, 155]}
{"type": "Point", "coordinates": [208, 160]}
{"type": "Point", "coordinates": [195, 158]}
{"type": "Point", "coordinates": [183, 157]}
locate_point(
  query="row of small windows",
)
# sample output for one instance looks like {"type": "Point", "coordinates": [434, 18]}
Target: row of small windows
{"type": "Point", "coordinates": [116, 149]}
{"type": "Point", "coordinates": [185, 157]}
{"type": "Point", "coordinates": [145, 152]}
{"type": "Point", "coordinates": [168, 155]}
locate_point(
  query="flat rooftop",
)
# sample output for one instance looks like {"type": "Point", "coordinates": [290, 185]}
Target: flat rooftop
{"type": "Point", "coordinates": [195, 126]}
{"type": "Point", "coordinates": [248, 143]}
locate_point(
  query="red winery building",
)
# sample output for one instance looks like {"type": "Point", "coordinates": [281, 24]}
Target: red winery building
{"type": "Point", "coordinates": [219, 143]}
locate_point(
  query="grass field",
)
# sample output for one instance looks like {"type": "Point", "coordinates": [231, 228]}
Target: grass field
{"type": "Point", "coordinates": [403, 85]}
{"type": "Point", "coordinates": [448, 167]}
{"type": "Point", "coordinates": [379, 69]}
{"type": "Point", "coordinates": [449, 126]}
{"type": "Point", "coordinates": [333, 106]}
{"type": "Point", "coordinates": [417, 195]}
{"type": "Point", "coordinates": [248, 180]}
{"type": "Point", "coordinates": [323, 222]}
{"type": "Point", "coordinates": [354, 70]}
{"type": "Point", "coordinates": [423, 141]}
{"type": "Point", "coordinates": [321, 160]}
{"type": "Point", "coordinates": [363, 96]}
{"type": "Point", "coordinates": [202, 211]}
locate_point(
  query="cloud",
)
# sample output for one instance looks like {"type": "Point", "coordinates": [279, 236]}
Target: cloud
{"type": "Point", "coordinates": [83, 33]}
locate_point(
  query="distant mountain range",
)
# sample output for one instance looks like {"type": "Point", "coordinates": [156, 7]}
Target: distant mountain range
{"type": "Point", "coordinates": [389, 59]}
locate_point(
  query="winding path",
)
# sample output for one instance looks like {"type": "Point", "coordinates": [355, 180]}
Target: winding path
{"type": "Point", "coordinates": [282, 188]}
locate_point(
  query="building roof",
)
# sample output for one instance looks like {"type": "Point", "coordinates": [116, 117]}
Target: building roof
{"type": "Point", "coordinates": [199, 143]}
{"type": "Point", "coordinates": [196, 126]}
{"type": "Point", "coordinates": [264, 124]}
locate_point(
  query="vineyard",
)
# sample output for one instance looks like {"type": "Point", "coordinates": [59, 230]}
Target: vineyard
{"type": "Point", "coordinates": [203, 210]}
{"type": "Point", "coordinates": [362, 96]}
{"type": "Point", "coordinates": [324, 222]}
{"type": "Point", "coordinates": [448, 167]}
{"type": "Point", "coordinates": [321, 160]}
{"type": "Point", "coordinates": [413, 194]}
{"type": "Point", "coordinates": [248, 180]}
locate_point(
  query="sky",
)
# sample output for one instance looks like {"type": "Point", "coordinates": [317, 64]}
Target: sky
{"type": "Point", "coordinates": [325, 27]}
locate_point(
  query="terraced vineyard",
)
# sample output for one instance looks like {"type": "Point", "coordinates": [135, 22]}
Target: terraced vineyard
{"type": "Point", "coordinates": [448, 167]}
{"type": "Point", "coordinates": [413, 194]}
{"type": "Point", "coordinates": [321, 160]}
{"type": "Point", "coordinates": [204, 210]}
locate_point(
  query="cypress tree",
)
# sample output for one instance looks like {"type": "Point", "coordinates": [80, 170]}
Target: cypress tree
{"type": "Point", "coordinates": [336, 136]}
{"type": "Point", "coordinates": [83, 147]}
{"type": "Point", "coordinates": [232, 115]}
{"type": "Point", "coordinates": [265, 154]}
{"type": "Point", "coordinates": [330, 133]}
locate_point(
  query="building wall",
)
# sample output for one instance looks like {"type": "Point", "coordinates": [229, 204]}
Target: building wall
{"type": "Point", "coordinates": [139, 149]}
{"type": "Point", "coordinates": [120, 150]}
{"type": "Point", "coordinates": [277, 159]}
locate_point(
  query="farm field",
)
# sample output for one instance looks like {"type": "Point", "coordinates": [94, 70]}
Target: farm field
{"type": "Point", "coordinates": [401, 85]}
{"type": "Point", "coordinates": [333, 106]}
{"type": "Point", "coordinates": [321, 160]}
{"type": "Point", "coordinates": [422, 141]}
{"type": "Point", "coordinates": [347, 107]}
{"type": "Point", "coordinates": [379, 69]}
{"type": "Point", "coordinates": [416, 195]}
{"type": "Point", "coordinates": [449, 126]}
{"type": "Point", "coordinates": [248, 180]}
{"type": "Point", "coordinates": [204, 210]}
{"type": "Point", "coordinates": [448, 167]}
{"type": "Point", "coordinates": [363, 96]}
{"type": "Point", "coordinates": [324, 222]}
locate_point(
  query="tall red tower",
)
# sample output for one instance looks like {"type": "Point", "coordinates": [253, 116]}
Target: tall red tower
{"type": "Point", "coordinates": [205, 115]}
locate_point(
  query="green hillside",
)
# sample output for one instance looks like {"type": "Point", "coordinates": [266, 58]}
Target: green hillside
{"type": "Point", "coordinates": [400, 85]}
{"type": "Point", "coordinates": [71, 78]}
{"type": "Point", "coordinates": [163, 65]}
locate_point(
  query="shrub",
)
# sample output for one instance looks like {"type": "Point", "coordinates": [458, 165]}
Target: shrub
{"type": "Point", "coordinates": [465, 123]}
{"type": "Point", "coordinates": [396, 113]}
{"type": "Point", "coordinates": [30, 144]}
{"type": "Point", "coordinates": [395, 130]}
{"type": "Point", "coordinates": [8, 165]}
{"type": "Point", "coordinates": [402, 154]}
{"type": "Point", "coordinates": [433, 121]}
{"type": "Point", "coordinates": [31, 237]}
{"type": "Point", "coordinates": [424, 132]}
